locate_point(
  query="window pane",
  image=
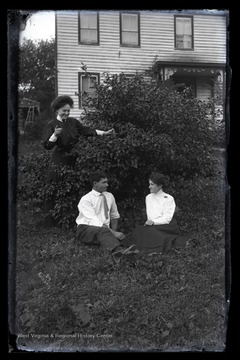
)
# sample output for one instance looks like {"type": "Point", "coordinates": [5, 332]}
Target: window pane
{"type": "Point", "coordinates": [130, 22]}
{"type": "Point", "coordinates": [130, 38]}
{"type": "Point", "coordinates": [179, 26]}
{"type": "Point", "coordinates": [179, 42]}
{"type": "Point", "coordinates": [183, 26]}
{"type": "Point", "coordinates": [93, 81]}
{"type": "Point", "coordinates": [187, 28]}
{"type": "Point", "coordinates": [88, 83]}
{"type": "Point", "coordinates": [88, 21]}
{"type": "Point", "coordinates": [184, 42]}
{"type": "Point", "coordinates": [93, 36]}
{"type": "Point", "coordinates": [89, 36]}
{"type": "Point", "coordinates": [84, 83]}
{"type": "Point", "coordinates": [187, 42]}
{"type": "Point", "coordinates": [87, 88]}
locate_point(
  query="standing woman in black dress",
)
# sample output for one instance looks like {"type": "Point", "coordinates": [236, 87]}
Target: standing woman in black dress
{"type": "Point", "coordinates": [60, 135]}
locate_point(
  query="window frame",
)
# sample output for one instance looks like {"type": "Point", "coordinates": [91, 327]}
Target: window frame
{"type": "Point", "coordinates": [80, 92]}
{"type": "Point", "coordinates": [175, 32]}
{"type": "Point", "coordinates": [79, 29]}
{"type": "Point", "coordinates": [138, 30]}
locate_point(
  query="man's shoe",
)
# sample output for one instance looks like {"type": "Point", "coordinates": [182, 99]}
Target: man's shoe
{"type": "Point", "coordinates": [118, 253]}
{"type": "Point", "coordinates": [131, 250]}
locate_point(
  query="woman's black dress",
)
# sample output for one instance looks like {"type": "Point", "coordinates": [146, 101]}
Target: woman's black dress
{"type": "Point", "coordinates": [155, 238]}
{"type": "Point", "coordinates": [61, 149]}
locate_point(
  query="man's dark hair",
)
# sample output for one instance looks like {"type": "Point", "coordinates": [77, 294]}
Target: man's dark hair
{"type": "Point", "coordinates": [158, 179]}
{"type": "Point", "coordinates": [97, 176]}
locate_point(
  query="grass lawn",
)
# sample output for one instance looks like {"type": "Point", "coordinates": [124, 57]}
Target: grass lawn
{"type": "Point", "coordinates": [71, 297]}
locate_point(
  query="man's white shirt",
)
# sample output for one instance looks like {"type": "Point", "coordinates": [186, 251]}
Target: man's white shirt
{"type": "Point", "coordinates": [91, 210]}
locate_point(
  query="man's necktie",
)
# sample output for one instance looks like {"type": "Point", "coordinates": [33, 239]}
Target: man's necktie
{"type": "Point", "coordinates": [105, 205]}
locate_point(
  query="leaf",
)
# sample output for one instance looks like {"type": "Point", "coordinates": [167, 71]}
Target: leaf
{"type": "Point", "coordinates": [81, 313]}
{"type": "Point", "coordinates": [97, 303]}
{"type": "Point", "coordinates": [165, 334]}
{"type": "Point", "coordinates": [89, 305]}
{"type": "Point", "coordinates": [26, 317]}
{"type": "Point", "coordinates": [191, 326]}
{"type": "Point", "coordinates": [182, 288]}
{"type": "Point", "coordinates": [207, 311]}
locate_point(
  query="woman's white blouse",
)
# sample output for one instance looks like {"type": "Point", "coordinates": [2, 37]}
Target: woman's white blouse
{"type": "Point", "coordinates": [160, 207]}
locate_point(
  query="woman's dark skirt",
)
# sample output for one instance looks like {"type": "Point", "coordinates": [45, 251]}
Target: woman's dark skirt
{"type": "Point", "coordinates": [156, 238]}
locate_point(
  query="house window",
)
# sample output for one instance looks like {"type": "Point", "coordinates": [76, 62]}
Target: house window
{"type": "Point", "coordinates": [130, 29]}
{"type": "Point", "coordinates": [87, 88]}
{"type": "Point", "coordinates": [88, 28]}
{"type": "Point", "coordinates": [184, 32]}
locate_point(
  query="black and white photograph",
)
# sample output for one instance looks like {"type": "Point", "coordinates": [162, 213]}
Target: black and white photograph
{"type": "Point", "coordinates": [119, 222]}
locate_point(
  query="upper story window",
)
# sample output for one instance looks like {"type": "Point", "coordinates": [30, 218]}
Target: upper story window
{"type": "Point", "coordinates": [87, 88]}
{"type": "Point", "coordinates": [184, 32]}
{"type": "Point", "coordinates": [129, 29]}
{"type": "Point", "coordinates": [88, 28]}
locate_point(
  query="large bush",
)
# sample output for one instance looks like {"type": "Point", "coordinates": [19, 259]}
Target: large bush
{"type": "Point", "coordinates": [163, 127]}
{"type": "Point", "coordinates": [157, 128]}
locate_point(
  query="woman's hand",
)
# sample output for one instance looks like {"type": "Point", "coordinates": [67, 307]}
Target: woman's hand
{"type": "Point", "coordinates": [149, 223]}
{"type": "Point", "coordinates": [109, 132]}
{"type": "Point", "coordinates": [57, 131]}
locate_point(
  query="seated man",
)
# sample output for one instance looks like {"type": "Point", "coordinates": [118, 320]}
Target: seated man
{"type": "Point", "coordinates": [98, 217]}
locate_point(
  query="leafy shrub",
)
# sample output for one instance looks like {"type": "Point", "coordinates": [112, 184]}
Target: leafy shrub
{"type": "Point", "coordinates": [169, 128]}
{"type": "Point", "coordinates": [157, 128]}
{"type": "Point", "coordinates": [32, 170]}
{"type": "Point", "coordinates": [219, 134]}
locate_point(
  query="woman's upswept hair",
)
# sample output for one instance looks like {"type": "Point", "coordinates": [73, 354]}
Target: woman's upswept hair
{"type": "Point", "coordinates": [158, 179]}
{"type": "Point", "coordinates": [61, 101]}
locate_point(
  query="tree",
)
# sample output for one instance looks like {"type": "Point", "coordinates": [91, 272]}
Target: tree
{"type": "Point", "coordinates": [37, 72]}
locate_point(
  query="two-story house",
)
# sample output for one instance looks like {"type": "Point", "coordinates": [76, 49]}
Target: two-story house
{"type": "Point", "coordinates": [189, 46]}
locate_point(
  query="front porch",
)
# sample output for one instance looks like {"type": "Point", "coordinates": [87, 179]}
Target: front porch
{"type": "Point", "coordinates": [207, 81]}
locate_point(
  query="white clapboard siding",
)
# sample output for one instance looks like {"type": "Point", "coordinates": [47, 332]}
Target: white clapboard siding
{"type": "Point", "coordinates": [157, 42]}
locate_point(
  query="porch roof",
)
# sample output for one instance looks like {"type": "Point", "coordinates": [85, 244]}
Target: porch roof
{"type": "Point", "coordinates": [191, 69]}
{"type": "Point", "coordinates": [196, 72]}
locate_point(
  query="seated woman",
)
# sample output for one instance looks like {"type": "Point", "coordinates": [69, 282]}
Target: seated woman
{"type": "Point", "coordinates": [160, 232]}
